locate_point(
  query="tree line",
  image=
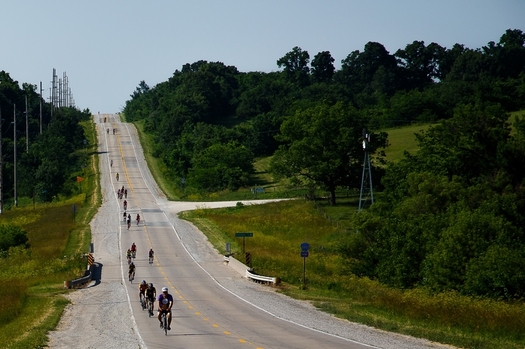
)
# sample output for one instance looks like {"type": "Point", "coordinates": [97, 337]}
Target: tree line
{"type": "Point", "coordinates": [45, 161]}
{"type": "Point", "coordinates": [209, 119]}
{"type": "Point", "coordinates": [449, 217]}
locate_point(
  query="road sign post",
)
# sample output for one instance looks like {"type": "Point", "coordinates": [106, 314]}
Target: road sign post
{"type": "Point", "coordinates": [304, 253]}
{"type": "Point", "coordinates": [243, 235]}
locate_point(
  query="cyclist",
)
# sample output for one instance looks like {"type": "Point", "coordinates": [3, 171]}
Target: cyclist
{"type": "Point", "coordinates": [151, 294]}
{"type": "Point", "coordinates": [125, 193]}
{"type": "Point", "coordinates": [117, 176]}
{"type": "Point", "coordinates": [111, 162]}
{"type": "Point", "coordinates": [131, 271]}
{"type": "Point", "coordinates": [125, 215]}
{"type": "Point", "coordinates": [165, 303]}
{"type": "Point", "coordinates": [133, 249]}
{"type": "Point", "coordinates": [138, 219]}
{"type": "Point", "coordinates": [151, 254]}
{"type": "Point", "coordinates": [125, 204]}
{"type": "Point", "coordinates": [129, 224]}
{"type": "Point", "coordinates": [142, 289]}
{"type": "Point", "coordinates": [128, 255]}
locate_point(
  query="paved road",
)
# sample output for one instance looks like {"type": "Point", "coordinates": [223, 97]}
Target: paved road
{"type": "Point", "coordinates": [206, 315]}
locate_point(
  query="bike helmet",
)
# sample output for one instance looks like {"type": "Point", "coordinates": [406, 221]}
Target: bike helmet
{"type": "Point", "coordinates": [164, 289]}
{"type": "Point", "coordinates": [150, 285]}
{"type": "Point", "coordinates": [143, 282]}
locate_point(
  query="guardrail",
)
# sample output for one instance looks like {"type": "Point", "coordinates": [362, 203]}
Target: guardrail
{"type": "Point", "coordinates": [249, 272]}
{"type": "Point", "coordinates": [82, 280]}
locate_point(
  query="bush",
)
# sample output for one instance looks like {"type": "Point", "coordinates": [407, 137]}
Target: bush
{"type": "Point", "coordinates": [11, 236]}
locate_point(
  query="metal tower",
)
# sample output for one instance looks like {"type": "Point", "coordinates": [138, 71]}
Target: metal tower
{"type": "Point", "coordinates": [366, 196]}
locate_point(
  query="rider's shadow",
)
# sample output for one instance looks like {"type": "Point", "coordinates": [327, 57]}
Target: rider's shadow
{"type": "Point", "coordinates": [96, 273]}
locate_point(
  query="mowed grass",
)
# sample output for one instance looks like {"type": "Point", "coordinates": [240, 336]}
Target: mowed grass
{"type": "Point", "coordinates": [157, 167]}
{"type": "Point", "coordinates": [280, 228]}
{"type": "Point", "coordinates": [402, 139]}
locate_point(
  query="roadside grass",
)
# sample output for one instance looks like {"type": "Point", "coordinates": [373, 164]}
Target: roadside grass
{"type": "Point", "coordinates": [32, 299]}
{"type": "Point", "coordinates": [279, 229]}
{"type": "Point", "coordinates": [157, 168]}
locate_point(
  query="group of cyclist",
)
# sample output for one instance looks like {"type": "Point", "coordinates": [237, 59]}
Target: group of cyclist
{"type": "Point", "coordinates": [131, 254]}
{"type": "Point", "coordinates": [148, 293]}
{"type": "Point", "coordinates": [165, 301]}
{"type": "Point", "coordinates": [127, 219]}
{"type": "Point", "coordinates": [122, 193]}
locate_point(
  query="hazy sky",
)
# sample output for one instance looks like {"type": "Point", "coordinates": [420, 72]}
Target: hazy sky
{"type": "Point", "coordinates": [106, 47]}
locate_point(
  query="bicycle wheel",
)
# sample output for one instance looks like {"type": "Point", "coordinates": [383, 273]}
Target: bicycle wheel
{"type": "Point", "coordinates": [165, 324]}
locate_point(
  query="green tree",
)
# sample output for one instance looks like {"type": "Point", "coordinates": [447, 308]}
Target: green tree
{"type": "Point", "coordinates": [323, 67]}
{"type": "Point", "coordinates": [221, 166]}
{"type": "Point", "coordinates": [322, 144]}
{"type": "Point", "coordinates": [295, 65]}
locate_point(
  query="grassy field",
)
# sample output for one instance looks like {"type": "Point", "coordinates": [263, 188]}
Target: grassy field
{"type": "Point", "coordinates": [401, 139]}
{"type": "Point", "coordinates": [32, 296]}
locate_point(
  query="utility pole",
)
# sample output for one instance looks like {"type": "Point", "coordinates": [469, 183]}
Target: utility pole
{"type": "Point", "coordinates": [40, 107]}
{"type": "Point", "coordinates": [1, 168]}
{"type": "Point", "coordinates": [14, 150]}
{"type": "Point", "coordinates": [53, 92]}
{"type": "Point", "coordinates": [27, 129]}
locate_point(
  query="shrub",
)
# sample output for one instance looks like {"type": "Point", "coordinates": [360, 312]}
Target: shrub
{"type": "Point", "coordinates": [11, 236]}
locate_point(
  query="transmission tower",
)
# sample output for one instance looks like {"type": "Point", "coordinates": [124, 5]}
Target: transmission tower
{"type": "Point", "coordinates": [366, 196]}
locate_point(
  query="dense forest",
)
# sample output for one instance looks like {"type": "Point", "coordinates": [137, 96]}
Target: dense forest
{"type": "Point", "coordinates": [450, 217]}
{"type": "Point", "coordinates": [47, 160]}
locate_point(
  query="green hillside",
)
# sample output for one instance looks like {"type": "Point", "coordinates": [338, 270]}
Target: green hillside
{"type": "Point", "coordinates": [401, 139]}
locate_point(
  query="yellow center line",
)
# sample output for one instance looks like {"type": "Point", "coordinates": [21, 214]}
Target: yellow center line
{"type": "Point", "coordinates": [176, 291]}
{"type": "Point", "coordinates": [123, 161]}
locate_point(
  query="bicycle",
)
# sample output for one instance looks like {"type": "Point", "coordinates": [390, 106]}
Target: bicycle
{"type": "Point", "coordinates": [133, 254]}
{"type": "Point", "coordinates": [164, 325]}
{"type": "Point", "coordinates": [129, 224]}
{"type": "Point", "coordinates": [150, 260]}
{"type": "Point", "coordinates": [131, 276]}
{"type": "Point", "coordinates": [149, 304]}
{"type": "Point", "coordinates": [143, 301]}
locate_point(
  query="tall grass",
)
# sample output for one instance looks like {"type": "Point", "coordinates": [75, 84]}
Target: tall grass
{"type": "Point", "coordinates": [12, 296]}
{"type": "Point", "coordinates": [32, 278]}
